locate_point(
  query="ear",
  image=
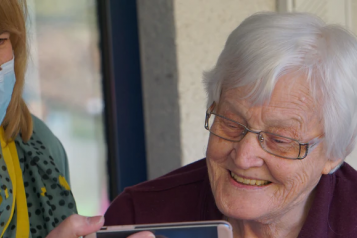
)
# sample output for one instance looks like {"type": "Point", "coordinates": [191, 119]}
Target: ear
{"type": "Point", "coordinates": [331, 164]}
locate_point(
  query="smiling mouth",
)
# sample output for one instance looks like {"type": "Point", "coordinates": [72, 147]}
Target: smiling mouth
{"type": "Point", "coordinates": [246, 181]}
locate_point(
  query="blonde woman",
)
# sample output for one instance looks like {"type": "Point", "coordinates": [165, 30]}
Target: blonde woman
{"type": "Point", "coordinates": [35, 196]}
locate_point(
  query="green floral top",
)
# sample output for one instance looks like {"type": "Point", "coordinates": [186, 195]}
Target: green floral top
{"type": "Point", "coordinates": [40, 185]}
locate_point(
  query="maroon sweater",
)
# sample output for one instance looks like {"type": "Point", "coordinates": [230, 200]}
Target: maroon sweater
{"type": "Point", "coordinates": [185, 195]}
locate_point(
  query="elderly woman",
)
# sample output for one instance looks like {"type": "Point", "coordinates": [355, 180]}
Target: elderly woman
{"type": "Point", "coordinates": [282, 117]}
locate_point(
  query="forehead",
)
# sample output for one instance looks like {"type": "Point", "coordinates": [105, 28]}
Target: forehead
{"type": "Point", "coordinates": [292, 93]}
{"type": "Point", "coordinates": [291, 99]}
{"type": "Point", "coordinates": [4, 33]}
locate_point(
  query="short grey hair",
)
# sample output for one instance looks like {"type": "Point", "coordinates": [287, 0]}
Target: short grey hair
{"type": "Point", "coordinates": [266, 46]}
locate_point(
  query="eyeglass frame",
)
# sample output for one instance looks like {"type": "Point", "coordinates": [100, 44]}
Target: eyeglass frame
{"type": "Point", "coordinates": [309, 146]}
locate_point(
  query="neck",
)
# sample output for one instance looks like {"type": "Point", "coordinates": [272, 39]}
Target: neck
{"type": "Point", "coordinates": [287, 225]}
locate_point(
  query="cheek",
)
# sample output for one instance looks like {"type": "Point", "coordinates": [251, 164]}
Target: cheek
{"type": "Point", "coordinates": [293, 183]}
{"type": "Point", "coordinates": [217, 154]}
{"type": "Point", "coordinates": [6, 53]}
{"type": "Point", "coordinates": [297, 171]}
{"type": "Point", "coordinates": [218, 149]}
{"type": "Point", "coordinates": [296, 180]}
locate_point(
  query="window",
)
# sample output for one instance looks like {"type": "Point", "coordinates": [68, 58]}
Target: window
{"type": "Point", "coordinates": [63, 88]}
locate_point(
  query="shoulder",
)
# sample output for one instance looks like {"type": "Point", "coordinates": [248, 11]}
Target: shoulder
{"type": "Point", "coordinates": [334, 209]}
{"type": "Point", "coordinates": [172, 197]}
{"type": "Point", "coordinates": [55, 148]}
{"type": "Point", "coordinates": [345, 184]}
{"type": "Point", "coordinates": [185, 175]}
{"type": "Point", "coordinates": [41, 130]}
{"type": "Point", "coordinates": [343, 207]}
{"type": "Point", "coordinates": [44, 139]}
{"type": "Point", "coordinates": [347, 173]}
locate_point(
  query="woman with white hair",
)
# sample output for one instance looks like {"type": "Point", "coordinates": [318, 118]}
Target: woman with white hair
{"type": "Point", "coordinates": [282, 117]}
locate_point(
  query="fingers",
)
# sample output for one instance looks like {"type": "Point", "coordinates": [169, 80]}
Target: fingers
{"type": "Point", "coordinates": [143, 234]}
{"type": "Point", "coordinates": [75, 226]}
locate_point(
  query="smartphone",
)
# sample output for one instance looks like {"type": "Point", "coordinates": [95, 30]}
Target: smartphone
{"type": "Point", "coordinates": [202, 229]}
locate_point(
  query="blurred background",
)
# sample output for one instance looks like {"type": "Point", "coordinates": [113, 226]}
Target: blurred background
{"type": "Point", "coordinates": [64, 88]}
{"type": "Point", "coordinates": [119, 82]}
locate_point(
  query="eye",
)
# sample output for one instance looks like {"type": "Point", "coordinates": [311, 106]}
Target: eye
{"type": "Point", "coordinates": [232, 125]}
{"type": "Point", "coordinates": [3, 40]}
{"type": "Point", "coordinates": [280, 141]}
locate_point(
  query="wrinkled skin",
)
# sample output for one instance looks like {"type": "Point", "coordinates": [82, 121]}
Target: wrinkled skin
{"type": "Point", "coordinates": [280, 208]}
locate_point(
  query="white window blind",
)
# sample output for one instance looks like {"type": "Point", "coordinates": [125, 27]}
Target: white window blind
{"type": "Point", "coordinates": [331, 11]}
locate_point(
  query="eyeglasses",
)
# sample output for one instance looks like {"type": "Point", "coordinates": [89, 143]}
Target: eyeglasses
{"type": "Point", "coordinates": [274, 144]}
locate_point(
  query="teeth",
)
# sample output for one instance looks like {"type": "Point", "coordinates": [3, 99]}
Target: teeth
{"type": "Point", "coordinates": [249, 181]}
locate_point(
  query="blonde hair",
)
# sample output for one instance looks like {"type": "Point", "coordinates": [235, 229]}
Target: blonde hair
{"type": "Point", "coordinates": [18, 118]}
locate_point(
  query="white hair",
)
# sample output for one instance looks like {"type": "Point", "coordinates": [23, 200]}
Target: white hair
{"type": "Point", "coordinates": [266, 46]}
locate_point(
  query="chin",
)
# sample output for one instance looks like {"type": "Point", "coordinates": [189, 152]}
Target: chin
{"type": "Point", "coordinates": [243, 203]}
{"type": "Point", "coordinates": [240, 210]}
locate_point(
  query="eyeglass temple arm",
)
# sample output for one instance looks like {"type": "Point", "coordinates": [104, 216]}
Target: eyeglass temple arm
{"type": "Point", "coordinates": [208, 113]}
{"type": "Point", "coordinates": [211, 108]}
{"type": "Point", "coordinates": [310, 146]}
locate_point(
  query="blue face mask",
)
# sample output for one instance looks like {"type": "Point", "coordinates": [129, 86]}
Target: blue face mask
{"type": "Point", "coordinates": [7, 83]}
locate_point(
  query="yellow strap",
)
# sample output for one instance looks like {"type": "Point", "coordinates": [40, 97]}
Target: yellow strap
{"type": "Point", "coordinates": [21, 202]}
{"type": "Point", "coordinates": [11, 170]}
{"type": "Point", "coordinates": [18, 190]}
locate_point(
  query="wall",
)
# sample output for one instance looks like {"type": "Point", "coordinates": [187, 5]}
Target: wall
{"type": "Point", "coordinates": [202, 27]}
{"type": "Point", "coordinates": [159, 80]}
{"type": "Point", "coordinates": [354, 16]}
{"type": "Point", "coordinates": [179, 40]}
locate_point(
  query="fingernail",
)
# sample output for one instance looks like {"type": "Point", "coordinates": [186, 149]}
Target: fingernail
{"type": "Point", "coordinates": [94, 220]}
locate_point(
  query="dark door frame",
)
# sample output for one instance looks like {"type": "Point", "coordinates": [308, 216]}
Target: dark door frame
{"type": "Point", "coordinates": [122, 90]}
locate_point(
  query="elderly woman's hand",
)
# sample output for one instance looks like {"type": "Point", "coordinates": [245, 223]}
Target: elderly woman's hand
{"type": "Point", "coordinates": [76, 226]}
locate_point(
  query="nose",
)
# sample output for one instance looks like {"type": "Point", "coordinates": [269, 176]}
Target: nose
{"type": "Point", "coordinates": [248, 153]}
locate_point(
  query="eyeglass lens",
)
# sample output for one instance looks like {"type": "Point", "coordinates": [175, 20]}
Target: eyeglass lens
{"type": "Point", "coordinates": [273, 144]}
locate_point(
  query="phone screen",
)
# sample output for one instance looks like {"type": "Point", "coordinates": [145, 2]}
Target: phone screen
{"type": "Point", "coordinates": [187, 232]}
